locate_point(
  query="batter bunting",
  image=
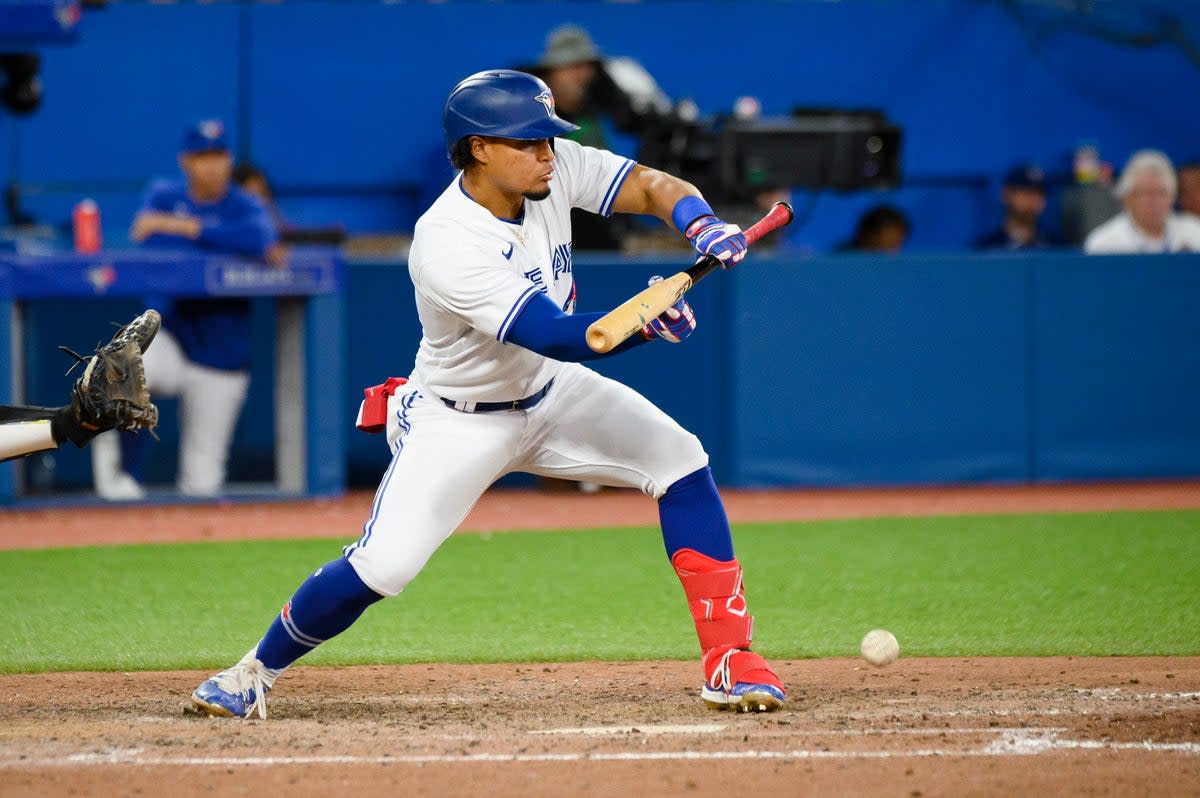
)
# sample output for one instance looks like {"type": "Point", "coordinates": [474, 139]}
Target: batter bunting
{"type": "Point", "coordinates": [498, 386]}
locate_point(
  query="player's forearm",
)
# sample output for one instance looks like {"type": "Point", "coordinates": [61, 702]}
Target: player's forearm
{"type": "Point", "coordinates": [151, 223]}
{"type": "Point", "coordinates": [649, 191]}
{"type": "Point", "coordinates": [543, 328]}
{"type": "Point", "coordinates": [19, 438]}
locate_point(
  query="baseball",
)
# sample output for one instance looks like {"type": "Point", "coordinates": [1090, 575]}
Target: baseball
{"type": "Point", "coordinates": [880, 648]}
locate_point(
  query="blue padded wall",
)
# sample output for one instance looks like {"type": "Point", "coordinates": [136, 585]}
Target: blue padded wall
{"type": "Point", "coordinates": [860, 370]}
{"type": "Point", "coordinates": [1117, 368]}
{"type": "Point", "coordinates": [844, 370]}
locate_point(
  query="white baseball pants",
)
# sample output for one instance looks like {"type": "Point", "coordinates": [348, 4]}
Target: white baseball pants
{"type": "Point", "coordinates": [587, 428]}
{"type": "Point", "coordinates": [210, 401]}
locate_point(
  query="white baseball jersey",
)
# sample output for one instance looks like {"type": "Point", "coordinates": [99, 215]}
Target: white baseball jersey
{"type": "Point", "coordinates": [474, 273]}
{"type": "Point", "coordinates": [1120, 235]}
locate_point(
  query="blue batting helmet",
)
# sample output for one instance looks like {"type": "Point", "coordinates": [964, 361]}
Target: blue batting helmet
{"type": "Point", "coordinates": [503, 103]}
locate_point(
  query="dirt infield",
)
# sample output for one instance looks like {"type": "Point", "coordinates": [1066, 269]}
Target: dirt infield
{"type": "Point", "coordinates": [920, 727]}
{"type": "Point", "coordinates": [1054, 726]}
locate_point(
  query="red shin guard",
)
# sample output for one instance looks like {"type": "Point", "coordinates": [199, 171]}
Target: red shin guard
{"type": "Point", "coordinates": [717, 600]}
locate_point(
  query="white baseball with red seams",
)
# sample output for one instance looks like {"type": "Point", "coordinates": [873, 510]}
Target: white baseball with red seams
{"type": "Point", "coordinates": [880, 647]}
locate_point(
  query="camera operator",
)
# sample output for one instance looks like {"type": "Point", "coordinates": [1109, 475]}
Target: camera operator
{"type": "Point", "coordinates": [595, 92]}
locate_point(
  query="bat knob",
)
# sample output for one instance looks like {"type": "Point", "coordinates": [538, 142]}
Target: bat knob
{"type": "Point", "coordinates": [599, 340]}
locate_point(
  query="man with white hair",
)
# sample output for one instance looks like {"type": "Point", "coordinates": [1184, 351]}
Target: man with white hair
{"type": "Point", "coordinates": [1147, 226]}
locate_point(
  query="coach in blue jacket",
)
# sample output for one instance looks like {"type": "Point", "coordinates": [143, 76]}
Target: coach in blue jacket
{"type": "Point", "coordinates": [202, 354]}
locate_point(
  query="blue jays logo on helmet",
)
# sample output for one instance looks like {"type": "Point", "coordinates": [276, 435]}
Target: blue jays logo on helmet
{"type": "Point", "coordinates": [502, 103]}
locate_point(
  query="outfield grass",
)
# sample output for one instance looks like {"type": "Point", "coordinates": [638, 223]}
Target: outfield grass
{"type": "Point", "coordinates": [1085, 584]}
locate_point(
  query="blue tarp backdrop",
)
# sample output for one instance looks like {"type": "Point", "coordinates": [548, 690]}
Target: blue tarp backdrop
{"type": "Point", "coordinates": [340, 102]}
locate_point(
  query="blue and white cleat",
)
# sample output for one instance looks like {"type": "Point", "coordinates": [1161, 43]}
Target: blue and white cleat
{"type": "Point", "coordinates": [744, 697]}
{"type": "Point", "coordinates": [236, 692]}
{"type": "Point", "coordinates": [740, 680]}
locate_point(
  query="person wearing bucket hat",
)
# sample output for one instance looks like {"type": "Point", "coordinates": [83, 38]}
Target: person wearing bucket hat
{"type": "Point", "coordinates": [570, 65]}
{"type": "Point", "coordinates": [573, 68]}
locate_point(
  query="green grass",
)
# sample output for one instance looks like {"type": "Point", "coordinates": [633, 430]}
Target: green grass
{"type": "Point", "coordinates": [1086, 584]}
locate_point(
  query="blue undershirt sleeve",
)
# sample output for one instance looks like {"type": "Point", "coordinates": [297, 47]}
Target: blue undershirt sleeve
{"type": "Point", "coordinates": [251, 234]}
{"type": "Point", "coordinates": [541, 327]}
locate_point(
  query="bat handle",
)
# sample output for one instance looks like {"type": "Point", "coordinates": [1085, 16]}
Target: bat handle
{"type": "Point", "coordinates": [780, 215]}
{"type": "Point", "coordinates": [625, 320]}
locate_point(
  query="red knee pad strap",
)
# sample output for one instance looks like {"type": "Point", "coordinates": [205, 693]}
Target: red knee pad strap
{"type": "Point", "coordinates": [716, 598]}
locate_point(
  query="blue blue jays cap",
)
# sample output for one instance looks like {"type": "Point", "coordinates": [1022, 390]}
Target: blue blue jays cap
{"type": "Point", "coordinates": [1026, 176]}
{"type": "Point", "coordinates": [205, 136]}
{"type": "Point", "coordinates": [503, 103]}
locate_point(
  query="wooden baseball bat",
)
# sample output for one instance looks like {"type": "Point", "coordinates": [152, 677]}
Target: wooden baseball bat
{"type": "Point", "coordinates": [635, 313]}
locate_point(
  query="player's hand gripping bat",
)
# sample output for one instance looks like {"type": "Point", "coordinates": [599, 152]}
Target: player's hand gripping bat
{"type": "Point", "coordinates": [634, 314]}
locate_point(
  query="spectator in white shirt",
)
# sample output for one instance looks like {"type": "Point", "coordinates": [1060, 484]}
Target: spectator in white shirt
{"type": "Point", "coordinates": [1147, 226]}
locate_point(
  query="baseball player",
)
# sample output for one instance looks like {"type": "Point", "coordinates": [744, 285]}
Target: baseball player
{"type": "Point", "coordinates": [204, 351]}
{"type": "Point", "coordinates": [498, 387]}
{"type": "Point", "coordinates": [111, 394]}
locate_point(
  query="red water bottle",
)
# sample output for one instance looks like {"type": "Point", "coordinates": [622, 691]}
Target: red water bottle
{"type": "Point", "coordinates": [85, 220]}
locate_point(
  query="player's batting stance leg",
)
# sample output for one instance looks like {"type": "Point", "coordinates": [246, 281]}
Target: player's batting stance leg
{"type": "Point", "coordinates": [696, 534]}
{"type": "Point", "coordinates": [442, 462]}
{"type": "Point", "coordinates": [602, 431]}
{"type": "Point", "coordinates": [444, 459]}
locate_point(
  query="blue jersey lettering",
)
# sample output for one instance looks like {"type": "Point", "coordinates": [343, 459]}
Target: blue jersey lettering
{"type": "Point", "coordinates": [562, 260]}
{"type": "Point", "coordinates": [535, 276]}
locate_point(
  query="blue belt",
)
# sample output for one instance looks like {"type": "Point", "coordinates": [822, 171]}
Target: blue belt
{"type": "Point", "coordinates": [491, 407]}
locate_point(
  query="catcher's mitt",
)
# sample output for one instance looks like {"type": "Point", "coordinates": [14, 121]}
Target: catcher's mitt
{"type": "Point", "coordinates": [112, 392]}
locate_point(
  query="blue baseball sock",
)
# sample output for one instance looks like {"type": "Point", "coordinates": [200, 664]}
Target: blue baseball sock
{"type": "Point", "coordinates": [693, 517]}
{"type": "Point", "coordinates": [324, 606]}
